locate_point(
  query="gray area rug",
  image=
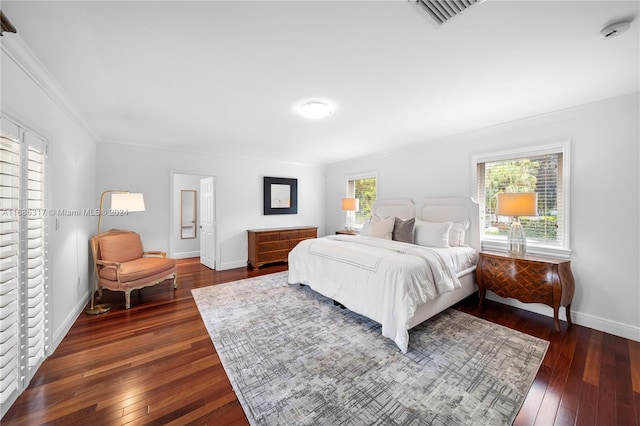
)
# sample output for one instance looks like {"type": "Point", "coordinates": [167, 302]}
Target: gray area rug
{"type": "Point", "coordinates": [293, 358]}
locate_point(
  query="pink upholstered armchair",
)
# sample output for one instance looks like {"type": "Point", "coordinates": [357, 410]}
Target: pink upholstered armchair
{"type": "Point", "coordinates": [122, 265]}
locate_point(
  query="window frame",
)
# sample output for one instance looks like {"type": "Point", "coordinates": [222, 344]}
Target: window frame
{"type": "Point", "coordinates": [499, 243]}
{"type": "Point", "coordinates": [349, 194]}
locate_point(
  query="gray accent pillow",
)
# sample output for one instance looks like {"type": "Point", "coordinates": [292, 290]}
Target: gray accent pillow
{"type": "Point", "coordinates": [403, 230]}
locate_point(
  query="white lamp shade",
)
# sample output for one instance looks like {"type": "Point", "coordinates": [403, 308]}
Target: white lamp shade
{"type": "Point", "coordinates": [350, 204]}
{"type": "Point", "coordinates": [517, 204]}
{"type": "Point", "coordinates": [131, 202]}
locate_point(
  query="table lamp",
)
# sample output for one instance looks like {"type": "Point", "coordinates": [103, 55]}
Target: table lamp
{"type": "Point", "coordinates": [515, 205]}
{"type": "Point", "coordinates": [350, 205]}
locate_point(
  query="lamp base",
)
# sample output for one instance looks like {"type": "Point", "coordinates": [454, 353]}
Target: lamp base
{"type": "Point", "coordinates": [99, 309]}
{"type": "Point", "coordinates": [350, 221]}
{"type": "Point", "coordinates": [516, 240]}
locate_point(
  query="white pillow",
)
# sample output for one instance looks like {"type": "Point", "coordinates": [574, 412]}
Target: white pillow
{"type": "Point", "coordinates": [432, 234]}
{"type": "Point", "coordinates": [457, 233]}
{"type": "Point", "coordinates": [378, 227]}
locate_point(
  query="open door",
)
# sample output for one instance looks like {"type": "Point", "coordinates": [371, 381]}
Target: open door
{"type": "Point", "coordinates": [207, 222]}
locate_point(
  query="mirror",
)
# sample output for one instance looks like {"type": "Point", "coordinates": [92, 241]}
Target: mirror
{"type": "Point", "coordinates": [188, 223]}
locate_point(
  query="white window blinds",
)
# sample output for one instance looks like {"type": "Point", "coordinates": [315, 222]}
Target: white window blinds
{"type": "Point", "coordinates": [543, 170]}
{"type": "Point", "coordinates": [23, 249]}
{"type": "Point", "coordinates": [539, 174]}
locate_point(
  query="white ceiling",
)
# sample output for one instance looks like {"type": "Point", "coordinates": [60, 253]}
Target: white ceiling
{"type": "Point", "coordinates": [225, 77]}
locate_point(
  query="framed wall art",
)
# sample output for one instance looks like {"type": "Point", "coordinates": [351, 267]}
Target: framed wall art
{"type": "Point", "coordinates": [280, 195]}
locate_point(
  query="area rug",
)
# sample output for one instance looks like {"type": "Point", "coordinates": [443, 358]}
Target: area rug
{"type": "Point", "coordinates": [293, 358]}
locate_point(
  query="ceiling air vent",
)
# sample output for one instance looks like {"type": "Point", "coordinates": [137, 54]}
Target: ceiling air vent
{"type": "Point", "coordinates": [6, 26]}
{"type": "Point", "coordinates": [443, 10]}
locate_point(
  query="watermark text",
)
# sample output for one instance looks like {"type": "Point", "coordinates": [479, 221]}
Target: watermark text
{"type": "Point", "coordinates": [61, 212]}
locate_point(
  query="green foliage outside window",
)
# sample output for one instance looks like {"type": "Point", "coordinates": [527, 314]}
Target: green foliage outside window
{"type": "Point", "coordinates": [538, 174]}
{"type": "Point", "coordinates": [365, 192]}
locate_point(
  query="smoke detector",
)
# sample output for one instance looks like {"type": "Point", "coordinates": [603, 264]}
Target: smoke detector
{"type": "Point", "coordinates": [615, 29]}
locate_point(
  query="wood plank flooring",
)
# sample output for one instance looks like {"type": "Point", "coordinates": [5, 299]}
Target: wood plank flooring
{"type": "Point", "coordinates": [155, 364]}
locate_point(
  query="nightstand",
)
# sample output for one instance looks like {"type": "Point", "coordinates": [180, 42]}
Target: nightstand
{"type": "Point", "coordinates": [345, 232]}
{"type": "Point", "coordinates": [528, 279]}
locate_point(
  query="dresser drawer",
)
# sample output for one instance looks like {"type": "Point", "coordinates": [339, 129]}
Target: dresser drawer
{"type": "Point", "coordinates": [307, 233]}
{"type": "Point", "coordinates": [528, 282]}
{"type": "Point", "coordinates": [287, 235]}
{"type": "Point", "coordinates": [274, 256]}
{"type": "Point", "coordinates": [272, 246]}
{"type": "Point", "coordinates": [268, 236]}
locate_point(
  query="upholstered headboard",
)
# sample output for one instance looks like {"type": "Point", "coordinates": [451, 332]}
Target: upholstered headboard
{"type": "Point", "coordinates": [448, 209]}
{"type": "Point", "coordinates": [452, 209]}
{"type": "Point", "coordinates": [402, 208]}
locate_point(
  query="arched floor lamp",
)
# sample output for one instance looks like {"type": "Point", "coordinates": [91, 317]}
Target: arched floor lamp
{"type": "Point", "coordinates": [120, 201]}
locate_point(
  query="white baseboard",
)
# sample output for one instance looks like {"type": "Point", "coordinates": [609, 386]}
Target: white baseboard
{"type": "Point", "coordinates": [186, 254]}
{"type": "Point", "coordinates": [232, 265]}
{"type": "Point", "coordinates": [68, 322]}
{"type": "Point", "coordinates": [601, 324]}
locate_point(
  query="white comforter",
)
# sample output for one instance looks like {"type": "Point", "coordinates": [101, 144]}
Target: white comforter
{"type": "Point", "coordinates": [381, 279]}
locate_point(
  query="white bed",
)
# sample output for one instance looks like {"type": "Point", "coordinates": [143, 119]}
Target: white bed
{"type": "Point", "coordinates": [397, 284]}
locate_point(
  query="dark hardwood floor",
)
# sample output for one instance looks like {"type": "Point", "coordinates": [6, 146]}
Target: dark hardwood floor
{"type": "Point", "coordinates": [155, 364]}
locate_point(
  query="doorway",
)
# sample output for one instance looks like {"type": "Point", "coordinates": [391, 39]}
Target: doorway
{"type": "Point", "coordinates": [192, 217]}
{"type": "Point", "coordinates": [207, 222]}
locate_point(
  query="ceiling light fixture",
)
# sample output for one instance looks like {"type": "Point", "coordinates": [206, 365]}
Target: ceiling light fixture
{"type": "Point", "coordinates": [315, 110]}
{"type": "Point", "coordinates": [615, 29]}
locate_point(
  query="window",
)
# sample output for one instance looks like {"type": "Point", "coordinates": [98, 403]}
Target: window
{"type": "Point", "coordinates": [543, 170]}
{"type": "Point", "coordinates": [23, 295]}
{"type": "Point", "coordinates": [363, 188]}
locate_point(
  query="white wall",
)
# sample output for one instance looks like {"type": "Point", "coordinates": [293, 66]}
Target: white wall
{"type": "Point", "coordinates": [238, 194]}
{"type": "Point", "coordinates": [29, 97]}
{"type": "Point", "coordinates": [605, 188]}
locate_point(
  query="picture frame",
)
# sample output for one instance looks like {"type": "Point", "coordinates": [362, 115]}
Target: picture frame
{"type": "Point", "coordinates": [280, 195]}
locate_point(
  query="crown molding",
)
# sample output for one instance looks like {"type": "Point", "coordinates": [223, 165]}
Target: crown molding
{"type": "Point", "coordinates": [19, 52]}
{"type": "Point", "coordinates": [208, 153]}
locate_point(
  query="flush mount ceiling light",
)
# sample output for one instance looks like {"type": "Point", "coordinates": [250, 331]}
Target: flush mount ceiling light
{"type": "Point", "coordinates": [615, 29]}
{"type": "Point", "coordinates": [315, 110]}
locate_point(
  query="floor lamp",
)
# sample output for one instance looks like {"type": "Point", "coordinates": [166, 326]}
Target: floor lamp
{"type": "Point", "coordinates": [120, 201]}
{"type": "Point", "coordinates": [517, 204]}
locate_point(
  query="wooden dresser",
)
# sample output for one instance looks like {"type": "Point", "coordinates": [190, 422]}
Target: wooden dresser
{"type": "Point", "coordinates": [273, 245]}
{"type": "Point", "coordinates": [528, 279]}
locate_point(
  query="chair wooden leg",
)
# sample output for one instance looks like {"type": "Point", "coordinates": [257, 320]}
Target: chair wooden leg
{"type": "Point", "coordinates": [127, 299]}
{"type": "Point", "coordinates": [175, 280]}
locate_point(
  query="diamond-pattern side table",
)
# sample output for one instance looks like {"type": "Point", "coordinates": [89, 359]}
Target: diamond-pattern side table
{"type": "Point", "coordinates": [528, 279]}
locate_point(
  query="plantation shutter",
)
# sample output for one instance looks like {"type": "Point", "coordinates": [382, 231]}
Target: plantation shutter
{"type": "Point", "coordinates": [23, 272]}
{"type": "Point", "coordinates": [34, 303]}
{"type": "Point", "coordinates": [9, 264]}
